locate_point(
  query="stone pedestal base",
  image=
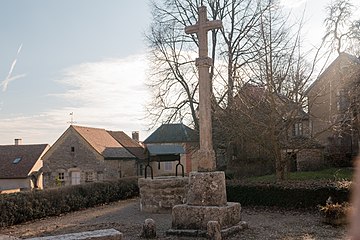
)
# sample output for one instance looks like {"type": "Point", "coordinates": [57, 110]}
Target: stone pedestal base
{"type": "Point", "coordinates": [196, 217]}
{"type": "Point", "coordinates": [206, 202]}
{"type": "Point", "coordinates": [207, 189]}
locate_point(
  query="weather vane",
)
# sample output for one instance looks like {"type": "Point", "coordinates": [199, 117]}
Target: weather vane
{"type": "Point", "coordinates": [71, 118]}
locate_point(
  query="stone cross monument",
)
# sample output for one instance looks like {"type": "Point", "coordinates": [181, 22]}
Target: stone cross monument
{"type": "Point", "coordinates": [206, 153]}
{"type": "Point", "coordinates": [206, 202]}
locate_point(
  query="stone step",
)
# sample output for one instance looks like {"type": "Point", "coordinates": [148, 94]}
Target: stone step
{"type": "Point", "coordinates": [109, 234]}
{"type": "Point", "coordinates": [7, 237]}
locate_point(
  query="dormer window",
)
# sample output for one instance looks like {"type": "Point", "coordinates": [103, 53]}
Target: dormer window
{"type": "Point", "coordinates": [17, 160]}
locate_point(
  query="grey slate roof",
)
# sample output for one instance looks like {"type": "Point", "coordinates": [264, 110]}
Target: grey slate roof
{"type": "Point", "coordinates": [131, 145]}
{"type": "Point", "coordinates": [303, 143]}
{"type": "Point", "coordinates": [165, 149]}
{"type": "Point", "coordinates": [173, 133]}
{"type": "Point", "coordinates": [27, 156]}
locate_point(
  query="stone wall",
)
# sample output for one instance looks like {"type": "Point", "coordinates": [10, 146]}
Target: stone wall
{"type": "Point", "coordinates": [160, 194]}
{"type": "Point", "coordinates": [72, 155]}
{"type": "Point", "coordinates": [310, 159]}
{"type": "Point", "coordinates": [115, 169]}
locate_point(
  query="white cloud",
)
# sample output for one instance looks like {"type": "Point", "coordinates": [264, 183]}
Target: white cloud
{"type": "Point", "coordinates": [42, 128]}
{"type": "Point", "coordinates": [292, 3]}
{"type": "Point", "coordinates": [109, 94]}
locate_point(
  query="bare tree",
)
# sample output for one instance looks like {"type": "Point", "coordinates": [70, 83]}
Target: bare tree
{"type": "Point", "coordinates": [230, 50]}
{"type": "Point", "coordinates": [342, 33]}
{"type": "Point", "coordinates": [173, 78]}
{"type": "Point", "coordinates": [256, 46]}
{"type": "Point", "coordinates": [271, 100]}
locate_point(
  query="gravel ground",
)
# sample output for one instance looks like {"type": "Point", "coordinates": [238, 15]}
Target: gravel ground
{"type": "Point", "coordinates": [125, 216]}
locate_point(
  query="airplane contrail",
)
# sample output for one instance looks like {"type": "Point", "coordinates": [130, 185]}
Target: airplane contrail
{"type": "Point", "coordinates": [4, 84]}
{"type": "Point", "coordinates": [19, 49]}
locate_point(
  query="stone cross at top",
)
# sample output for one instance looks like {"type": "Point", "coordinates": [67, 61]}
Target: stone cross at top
{"type": "Point", "coordinates": [206, 154]}
{"type": "Point", "coordinates": [201, 28]}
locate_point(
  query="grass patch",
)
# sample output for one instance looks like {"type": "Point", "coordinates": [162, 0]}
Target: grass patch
{"type": "Point", "coordinates": [333, 174]}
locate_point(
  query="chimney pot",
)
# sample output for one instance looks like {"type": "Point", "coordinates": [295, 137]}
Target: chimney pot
{"type": "Point", "coordinates": [18, 141]}
{"type": "Point", "coordinates": [135, 135]}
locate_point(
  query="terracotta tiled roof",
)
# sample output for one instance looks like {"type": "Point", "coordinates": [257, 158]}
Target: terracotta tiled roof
{"type": "Point", "coordinates": [27, 156]}
{"type": "Point", "coordinates": [173, 133]}
{"type": "Point", "coordinates": [131, 145]}
{"type": "Point", "coordinates": [103, 142]}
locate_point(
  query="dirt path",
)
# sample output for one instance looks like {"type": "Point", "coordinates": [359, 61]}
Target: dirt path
{"type": "Point", "coordinates": [126, 217]}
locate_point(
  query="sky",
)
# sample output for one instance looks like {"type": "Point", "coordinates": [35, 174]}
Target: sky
{"type": "Point", "coordinates": [85, 57]}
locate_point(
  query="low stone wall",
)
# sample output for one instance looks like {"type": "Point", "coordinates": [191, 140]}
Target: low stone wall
{"type": "Point", "coordinates": [160, 194]}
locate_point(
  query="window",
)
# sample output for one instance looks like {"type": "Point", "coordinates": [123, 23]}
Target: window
{"type": "Point", "coordinates": [342, 102]}
{"type": "Point", "coordinates": [89, 176]}
{"type": "Point", "coordinates": [141, 171]}
{"type": "Point", "coordinates": [297, 129]}
{"type": "Point", "coordinates": [61, 176]}
{"type": "Point", "coordinates": [168, 166]}
{"type": "Point", "coordinates": [72, 149]}
{"type": "Point", "coordinates": [75, 177]}
{"type": "Point", "coordinates": [17, 160]}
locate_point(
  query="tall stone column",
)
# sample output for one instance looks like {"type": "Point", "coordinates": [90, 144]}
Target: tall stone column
{"type": "Point", "coordinates": [206, 198]}
{"type": "Point", "coordinates": [206, 154]}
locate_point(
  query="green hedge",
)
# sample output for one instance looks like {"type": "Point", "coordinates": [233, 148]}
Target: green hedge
{"type": "Point", "coordinates": [26, 206]}
{"type": "Point", "coordinates": [286, 195]}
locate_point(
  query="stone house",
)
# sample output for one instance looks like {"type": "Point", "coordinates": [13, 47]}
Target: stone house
{"type": "Point", "coordinates": [250, 145]}
{"type": "Point", "coordinates": [299, 148]}
{"type": "Point", "coordinates": [85, 154]}
{"type": "Point", "coordinates": [21, 166]}
{"type": "Point", "coordinates": [333, 101]}
{"type": "Point", "coordinates": [173, 139]}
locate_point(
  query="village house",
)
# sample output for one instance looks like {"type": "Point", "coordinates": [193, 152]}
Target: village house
{"type": "Point", "coordinates": [21, 166]}
{"type": "Point", "coordinates": [243, 133]}
{"type": "Point", "coordinates": [85, 154]}
{"type": "Point", "coordinates": [333, 109]}
{"type": "Point", "coordinates": [169, 143]}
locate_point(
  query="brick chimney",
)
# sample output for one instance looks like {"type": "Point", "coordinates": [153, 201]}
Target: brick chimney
{"type": "Point", "coordinates": [18, 141]}
{"type": "Point", "coordinates": [135, 135]}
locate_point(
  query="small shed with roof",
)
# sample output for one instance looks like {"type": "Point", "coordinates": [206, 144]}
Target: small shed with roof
{"type": "Point", "coordinates": [170, 145]}
{"type": "Point", "coordinates": [303, 154]}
